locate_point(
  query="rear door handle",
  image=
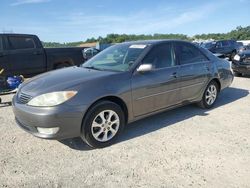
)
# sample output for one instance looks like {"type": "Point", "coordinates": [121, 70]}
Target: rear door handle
{"type": "Point", "coordinates": [206, 67]}
{"type": "Point", "coordinates": [174, 75]}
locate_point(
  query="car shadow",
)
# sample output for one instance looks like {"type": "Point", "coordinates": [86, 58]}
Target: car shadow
{"type": "Point", "coordinates": [5, 104]}
{"type": "Point", "coordinates": [165, 119]}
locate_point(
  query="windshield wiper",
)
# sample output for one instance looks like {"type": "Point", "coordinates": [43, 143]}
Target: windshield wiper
{"type": "Point", "coordinates": [92, 67]}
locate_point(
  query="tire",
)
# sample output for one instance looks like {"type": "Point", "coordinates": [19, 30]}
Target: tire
{"type": "Point", "coordinates": [210, 95]}
{"type": "Point", "coordinates": [97, 130]}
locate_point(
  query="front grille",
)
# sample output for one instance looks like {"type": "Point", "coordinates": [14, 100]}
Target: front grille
{"type": "Point", "coordinates": [23, 98]}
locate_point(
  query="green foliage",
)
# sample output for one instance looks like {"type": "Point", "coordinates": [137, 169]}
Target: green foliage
{"type": "Point", "coordinates": [240, 33]}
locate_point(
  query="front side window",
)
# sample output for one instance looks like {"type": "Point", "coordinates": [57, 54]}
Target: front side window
{"type": "Point", "coordinates": [208, 45]}
{"type": "Point", "coordinates": [160, 56]}
{"type": "Point", "coordinates": [1, 44]}
{"type": "Point", "coordinates": [189, 54]}
{"type": "Point", "coordinates": [17, 42]}
{"type": "Point", "coordinates": [119, 57]}
{"type": "Point", "coordinates": [218, 44]}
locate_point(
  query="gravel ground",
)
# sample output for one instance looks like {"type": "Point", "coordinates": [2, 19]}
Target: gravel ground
{"type": "Point", "coordinates": [184, 147]}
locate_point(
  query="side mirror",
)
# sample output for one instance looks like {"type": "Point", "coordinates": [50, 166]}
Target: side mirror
{"type": "Point", "coordinates": [144, 68]}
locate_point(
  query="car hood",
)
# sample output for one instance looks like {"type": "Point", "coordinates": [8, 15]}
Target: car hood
{"type": "Point", "coordinates": [60, 80]}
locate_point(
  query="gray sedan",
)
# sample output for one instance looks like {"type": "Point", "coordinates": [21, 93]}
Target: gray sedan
{"type": "Point", "coordinates": [121, 84]}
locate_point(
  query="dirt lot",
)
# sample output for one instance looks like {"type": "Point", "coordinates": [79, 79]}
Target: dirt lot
{"type": "Point", "coordinates": [179, 148]}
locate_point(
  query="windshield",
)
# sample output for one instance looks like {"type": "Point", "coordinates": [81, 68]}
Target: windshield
{"type": "Point", "coordinates": [208, 45]}
{"type": "Point", "coordinates": [119, 57]}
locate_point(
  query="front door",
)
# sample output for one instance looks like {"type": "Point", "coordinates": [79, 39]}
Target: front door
{"type": "Point", "coordinates": [156, 89]}
{"type": "Point", "coordinates": [223, 47]}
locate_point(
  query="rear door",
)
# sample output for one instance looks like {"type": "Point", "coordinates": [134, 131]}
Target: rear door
{"type": "Point", "coordinates": [157, 89]}
{"type": "Point", "coordinates": [4, 63]}
{"type": "Point", "coordinates": [194, 70]}
{"type": "Point", "coordinates": [26, 56]}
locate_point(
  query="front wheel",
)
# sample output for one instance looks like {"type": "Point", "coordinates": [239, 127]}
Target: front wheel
{"type": "Point", "coordinates": [209, 96]}
{"type": "Point", "coordinates": [103, 124]}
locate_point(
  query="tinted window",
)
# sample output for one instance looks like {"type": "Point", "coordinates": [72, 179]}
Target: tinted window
{"type": "Point", "coordinates": [160, 56]}
{"type": "Point", "coordinates": [21, 42]}
{"type": "Point", "coordinates": [218, 44]}
{"type": "Point", "coordinates": [189, 54]}
{"type": "Point", "coordinates": [225, 43]}
{"type": "Point", "coordinates": [1, 43]}
{"type": "Point", "coordinates": [208, 45]}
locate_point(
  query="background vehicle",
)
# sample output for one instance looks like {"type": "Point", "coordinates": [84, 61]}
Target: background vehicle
{"type": "Point", "coordinates": [243, 48]}
{"type": "Point", "coordinates": [22, 54]}
{"type": "Point", "coordinates": [121, 84]}
{"type": "Point", "coordinates": [89, 53]}
{"type": "Point", "coordinates": [228, 48]}
{"type": "Point", "coordinates": [241, 62]}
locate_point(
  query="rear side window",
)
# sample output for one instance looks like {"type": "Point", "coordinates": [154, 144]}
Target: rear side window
{"type": "Point", "coordinates": [1, 44]}
{"type": "Point", "coordinates": [160, 56]}
{"type": "Point", "coordinates": [189, 54]}
{"type": "Point", "coordinates": [21, 42]}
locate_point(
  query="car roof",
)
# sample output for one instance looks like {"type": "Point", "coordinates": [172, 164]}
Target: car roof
{"type": "Point", "coordinates": [151, 42]}
{"type": "Point", "coordinates": [15, 34]}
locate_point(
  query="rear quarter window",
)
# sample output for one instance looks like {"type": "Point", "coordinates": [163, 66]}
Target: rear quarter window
{"type": "Point", "coordinates": [17, 42]}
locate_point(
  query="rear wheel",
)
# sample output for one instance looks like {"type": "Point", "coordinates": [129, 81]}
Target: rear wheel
{"type": "Point", "coordinates": [209, 96]}
{"type": "Point", "coordinates": [103, 124]}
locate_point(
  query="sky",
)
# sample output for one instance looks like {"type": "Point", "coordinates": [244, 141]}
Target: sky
{"type": "Point", "coordinates": [77, 20]}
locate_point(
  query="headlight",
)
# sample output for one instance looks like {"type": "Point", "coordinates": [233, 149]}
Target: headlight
{"type": "Point", "coordinates": [237, 57]}
{"type": "Point", "coordinates": [52, 99]}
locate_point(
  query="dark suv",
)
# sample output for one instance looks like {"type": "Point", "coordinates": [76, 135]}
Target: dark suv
{"type": "Point", "coordinates": [228, 48]}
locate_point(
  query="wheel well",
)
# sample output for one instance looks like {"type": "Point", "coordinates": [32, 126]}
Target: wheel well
{"type": "Point", "coordinates": [116, 100]}
{"type": "Point", "coordinates": [67, 62]}
{"type": "Point", "coordinates": [218, 82]}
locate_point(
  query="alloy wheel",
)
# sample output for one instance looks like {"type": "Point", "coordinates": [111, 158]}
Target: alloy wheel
{"type": "Point", "coordinates": [211, 94]}
{"type": "Point", "coordinates": [105, 125]}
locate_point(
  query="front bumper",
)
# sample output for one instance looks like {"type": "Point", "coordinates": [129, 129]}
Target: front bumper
{"type": "Point", "coordinates": [241, 67]}
{"type": "Point", "coordinates": [67, 118]}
